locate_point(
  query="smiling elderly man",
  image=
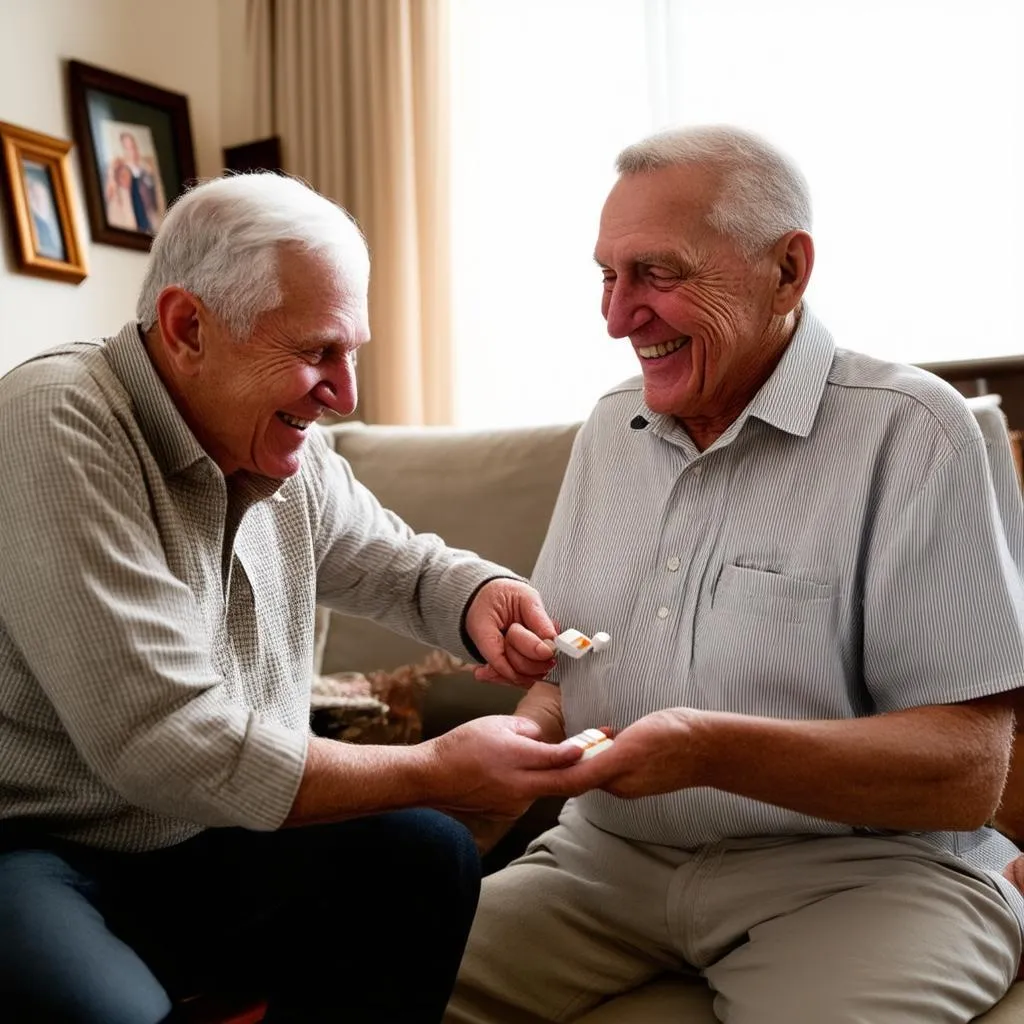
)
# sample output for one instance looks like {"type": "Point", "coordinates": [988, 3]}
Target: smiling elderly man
{"type": "Point", "coordinates": [170, 519]}
{"type": "Point", "coordinates": [818, 639]}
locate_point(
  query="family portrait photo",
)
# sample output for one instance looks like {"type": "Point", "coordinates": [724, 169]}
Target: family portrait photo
{"type": "Point", "coordinates": [136, 149]}
{"type": "Point", "coordinates": [133, 192]}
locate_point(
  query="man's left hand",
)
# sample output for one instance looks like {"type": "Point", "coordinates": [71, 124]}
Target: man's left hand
{"type": "Point", "coordinates": [659, 753]}
{"type": "Point", "coordinates": [512, 631]}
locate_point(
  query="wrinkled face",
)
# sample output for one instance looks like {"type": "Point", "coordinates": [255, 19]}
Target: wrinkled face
{"type": "Point", "coordinates": [253, 400]}
{"type": "Point", "coordinates": [696, 310]}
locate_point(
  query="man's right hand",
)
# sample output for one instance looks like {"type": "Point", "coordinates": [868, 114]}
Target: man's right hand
{"type": "Point", "coordinates": [495, 766]}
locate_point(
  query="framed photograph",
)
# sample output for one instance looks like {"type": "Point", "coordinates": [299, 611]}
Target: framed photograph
{"type": "Point", "coordinates": [136, 146]}
{"type": "Point", "coordinates": [261, 155]}
{"type": "Point", "coordinates": [37, 189]}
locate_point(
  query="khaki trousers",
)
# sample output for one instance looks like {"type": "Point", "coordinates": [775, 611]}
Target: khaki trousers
{"type": "Point", "coordinates": [829, 930]}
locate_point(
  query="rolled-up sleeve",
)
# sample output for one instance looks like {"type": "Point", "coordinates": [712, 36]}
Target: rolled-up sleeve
{"type": "Point", "coordinates": [372, 564]}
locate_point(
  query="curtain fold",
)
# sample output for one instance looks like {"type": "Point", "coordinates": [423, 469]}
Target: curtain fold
{"type": "Point", "coordinates": [357, 90]}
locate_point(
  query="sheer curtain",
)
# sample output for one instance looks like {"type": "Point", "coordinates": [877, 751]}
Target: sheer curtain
{"type": "Point", "coordinates": [907, 117]}
{"type": "Point", "coordinates": [357, 90]}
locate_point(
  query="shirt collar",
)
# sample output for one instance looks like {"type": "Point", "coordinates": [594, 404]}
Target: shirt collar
{"type": "Point", "coordinates": [172, 442]}
{"type": "Point", "coordinates": [788, 400]}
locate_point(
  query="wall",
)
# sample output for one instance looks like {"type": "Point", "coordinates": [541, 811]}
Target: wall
{"type": "Point", "coordinates": [173, 45]}
{"type": "Point", "coordinates": [243, 116]}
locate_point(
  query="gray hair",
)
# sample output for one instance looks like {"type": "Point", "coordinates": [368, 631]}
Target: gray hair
{"type": "Point", "coordinates": [763, 193]}
{"type": "Point", "coordinates": [221, 241]}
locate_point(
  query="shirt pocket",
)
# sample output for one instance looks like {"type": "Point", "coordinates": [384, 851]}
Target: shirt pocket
{"type": "Point", "coordinates": [766, 643]}
{"type": "Point", "coordinates": [757, 593]}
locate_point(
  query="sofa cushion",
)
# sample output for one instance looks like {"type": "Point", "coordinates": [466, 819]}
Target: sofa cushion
{"type": "Point", "coordinates": [491, 491]}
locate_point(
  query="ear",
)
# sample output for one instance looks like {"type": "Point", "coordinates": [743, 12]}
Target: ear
{"type": "Point", "coordinates": [178, 313]}
{"type": "Point", "coordinates": [794, 255]}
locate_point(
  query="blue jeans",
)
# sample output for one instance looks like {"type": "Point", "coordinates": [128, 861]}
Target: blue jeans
{"type": "Point", "coordinates": [364, 920]}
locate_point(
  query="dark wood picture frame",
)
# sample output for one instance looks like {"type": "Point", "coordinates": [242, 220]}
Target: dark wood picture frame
{"type": "Point", "coordinates": [38, 186]}
{"type": "Point", "coordinates": [135, 141]}
{"type": "Point", "coordinates": [260, 155]}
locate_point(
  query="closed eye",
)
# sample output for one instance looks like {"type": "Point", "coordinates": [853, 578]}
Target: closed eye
{"type": "Point", "coordinates": [662, 273]}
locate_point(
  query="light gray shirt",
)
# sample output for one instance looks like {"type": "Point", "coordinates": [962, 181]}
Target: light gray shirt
{"type": "Point", "coordinates": [836, 553]}
{"type": "Point", "coordinates": [156, 620]}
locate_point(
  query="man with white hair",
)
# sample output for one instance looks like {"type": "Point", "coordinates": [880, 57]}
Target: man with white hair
{"type": "Point", "coordinates": [171, 518]}
{"type": "Point", "coordinates": [818, 643]}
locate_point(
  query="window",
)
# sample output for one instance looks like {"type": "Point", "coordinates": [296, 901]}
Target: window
{"type": "Point", "coordinates": [907, 116]}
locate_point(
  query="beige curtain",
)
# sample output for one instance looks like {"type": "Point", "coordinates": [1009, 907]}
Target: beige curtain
{"type": "Point", "coordinates": [357, 90]}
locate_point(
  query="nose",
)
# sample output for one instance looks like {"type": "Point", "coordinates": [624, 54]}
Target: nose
{"type": "Point", "coordinates": [624, 312]}
{"type": "Point", "coordinates": [337, 390]}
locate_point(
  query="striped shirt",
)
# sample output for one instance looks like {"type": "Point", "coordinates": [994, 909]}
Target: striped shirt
{"type": "Point", "coordinates": [837, 552]}
{"type": "Point", "coordinates": [156, 619]}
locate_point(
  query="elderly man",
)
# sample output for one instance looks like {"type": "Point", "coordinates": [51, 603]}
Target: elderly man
{"type": "Point", "coordinates": [170, 519]}
{"type": "Point", "coordinates": [817, 639]}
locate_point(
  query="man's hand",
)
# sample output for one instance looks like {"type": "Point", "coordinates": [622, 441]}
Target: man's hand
{"type": "Point", "coordinates": [656, 754]}
{"type": "Point", "coordinates": [512, 631]}
{"type": "Point", "coordinates": [542, 705]}
{"type": "Point", "coordinates": [495, 767]}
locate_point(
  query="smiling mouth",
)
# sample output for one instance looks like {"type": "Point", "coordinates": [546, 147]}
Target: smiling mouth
{"type": "Point", "coordinates": [665, 349]}
{"type": "Point", "coordinates": [293, 421]}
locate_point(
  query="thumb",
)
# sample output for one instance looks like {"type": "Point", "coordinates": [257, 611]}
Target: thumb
{"type": "Point", "coordinates": [526, 727]}
{"type": "Point", "coordinates": [546, 755]}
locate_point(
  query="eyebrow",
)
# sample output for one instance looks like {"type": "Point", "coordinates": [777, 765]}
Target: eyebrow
{"type": "Point", "coordinates": [327, 337]}
{"type": "Point", "coordinates": [649, 258]}
{"type": "Point", "coordinates": [662, 258]}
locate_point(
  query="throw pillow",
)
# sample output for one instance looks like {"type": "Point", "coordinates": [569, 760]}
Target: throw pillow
{"type": "Point", "coordinates": [377, 707]}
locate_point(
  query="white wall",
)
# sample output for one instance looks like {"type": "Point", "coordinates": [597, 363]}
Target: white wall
{"type": "Point", "coordinates": [173, 45]}
{"type": "Point", "coordinates": [239, 117]}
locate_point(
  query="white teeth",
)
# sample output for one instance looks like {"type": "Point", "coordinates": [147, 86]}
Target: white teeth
{"type": "Point", "coordinates": [292, 421]}
{"type": "Point", "coordinates": [664, 349]}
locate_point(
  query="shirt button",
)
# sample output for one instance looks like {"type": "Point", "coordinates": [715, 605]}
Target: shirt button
{"type": "Point", "coordinates": [697, 471]}
{"type": "Point", "coordinates": [673, 564]}
{"type": "Point", "coordinates": [662, 612]}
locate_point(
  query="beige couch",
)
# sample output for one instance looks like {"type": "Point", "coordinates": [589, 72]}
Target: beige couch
{"type": "Point", "coordinates": [493, 492]}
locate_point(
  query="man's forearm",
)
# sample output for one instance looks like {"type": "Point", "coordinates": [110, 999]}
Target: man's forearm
{"type": "Point", "coordinates": [543, 705]}
{"type": "Point", "coordinates": [346, 780]}
{"type": "Point", "coordinates": [938, 767]}
{"type": "Point", "coordinates": [1009, 819]}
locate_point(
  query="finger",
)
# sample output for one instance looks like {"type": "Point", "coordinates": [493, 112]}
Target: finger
{"type": "Point", "coordinates": [546, 756]}
{"type": "Point", "coordinates": [486, 674]}
{"type": "Point", "coordinates": [528, 644]}
{"type": "Point", "coordinates": [528, 668]}
{"type": "Point", "coordinates": [525, 727]}
{"type": "Point", "coordinates": [571, 779]}
{"type": "Point", "coordinates": [534, 616]}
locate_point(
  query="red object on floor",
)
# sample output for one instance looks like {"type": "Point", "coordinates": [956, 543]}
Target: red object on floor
{"type": "Point", "coordinates": [251, 1016]}
{"type": "Point", "coordinates": [211, 1010]}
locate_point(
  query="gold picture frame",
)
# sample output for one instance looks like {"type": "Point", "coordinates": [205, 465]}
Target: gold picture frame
{"type": "Point", "coordinates": [37, 189]}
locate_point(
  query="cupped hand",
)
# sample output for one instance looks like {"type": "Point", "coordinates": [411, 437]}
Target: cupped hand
{"type": "Point", "coordinates": [496, 766]}
{"type": "Point", "coordinates": [658, 753]}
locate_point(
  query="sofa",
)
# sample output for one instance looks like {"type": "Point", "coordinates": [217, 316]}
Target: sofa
{"type": "Point", "coordinates": [493, 492]}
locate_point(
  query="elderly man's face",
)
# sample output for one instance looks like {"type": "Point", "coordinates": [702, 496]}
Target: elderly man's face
{"type": "Point", "coordinates": [696, 311]}
{"type": "Point", "coordinates": [254, 399]}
